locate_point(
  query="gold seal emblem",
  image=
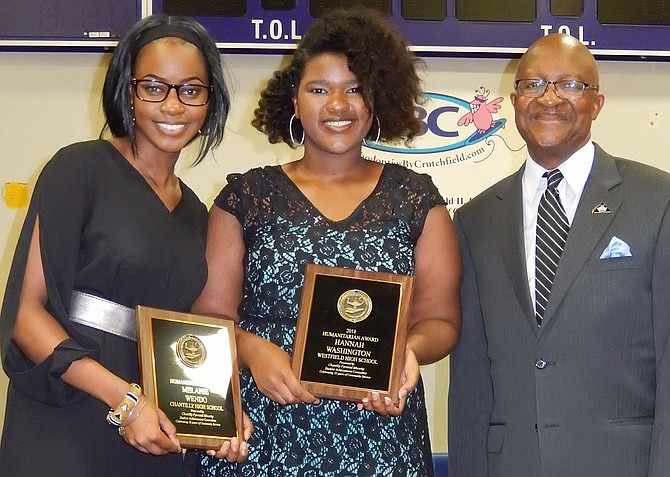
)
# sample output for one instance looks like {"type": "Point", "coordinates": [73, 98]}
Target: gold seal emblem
{"type": "Point", "coordinates": [354, 305]}
{"type": "Point", "coordinates": [191, 351]}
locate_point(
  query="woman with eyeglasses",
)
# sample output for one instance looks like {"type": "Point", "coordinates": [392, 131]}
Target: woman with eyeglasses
{"type": "Point", "coordinates": [110, 226]}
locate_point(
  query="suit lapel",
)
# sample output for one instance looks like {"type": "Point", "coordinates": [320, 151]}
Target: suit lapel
{"type": "Point", "coordinates": [587, 228]}
{"type": "Point", "coordinates": [509, 220]}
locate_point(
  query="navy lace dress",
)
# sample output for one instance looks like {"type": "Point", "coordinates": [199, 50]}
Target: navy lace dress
{"type": "Point", "coordinates": [282, 232]}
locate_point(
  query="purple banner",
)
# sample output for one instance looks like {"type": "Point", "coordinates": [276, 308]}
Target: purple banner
{"type": "Point", "coordinates": [477, 28]}
{"type": "Point", "coordinates": [66, 22]}
{"type": "Point", "coordinates": [451, 27]}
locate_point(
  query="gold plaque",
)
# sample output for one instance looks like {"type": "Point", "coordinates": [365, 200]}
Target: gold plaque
{"type": "Point", "coordinates": [352, 332]}
{"type": "Point", "coordinates": [188, 365]}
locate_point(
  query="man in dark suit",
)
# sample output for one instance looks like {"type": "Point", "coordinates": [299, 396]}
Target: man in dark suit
{"type": "Point", "coordinates": [565, 372]}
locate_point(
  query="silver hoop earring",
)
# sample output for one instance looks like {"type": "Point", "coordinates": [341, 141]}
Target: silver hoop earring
{"type": "Point", "coordinates": [379, 132]}
{"type": "Point", "coordinates": [290, 133]}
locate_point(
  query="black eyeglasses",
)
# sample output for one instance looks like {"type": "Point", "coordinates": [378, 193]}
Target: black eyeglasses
{"type": "Point", "coordinates": [154, 91]}
{"type": "Point", "coordinates": [566, 89]}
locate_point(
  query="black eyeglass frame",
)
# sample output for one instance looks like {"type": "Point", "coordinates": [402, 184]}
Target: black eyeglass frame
{"type": "Point", "coordinates": [585, 85]}
{"type": "Point", "coordinates": [171, 86]}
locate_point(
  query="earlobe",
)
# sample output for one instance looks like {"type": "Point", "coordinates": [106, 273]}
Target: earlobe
{"type": "Point", "coordinates": [598, 106]}
{"type": "Point", "coordinates": [296, 109]}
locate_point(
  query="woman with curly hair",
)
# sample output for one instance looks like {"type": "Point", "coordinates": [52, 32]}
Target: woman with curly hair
{"type": "Point", "coordinates": [351, 78]}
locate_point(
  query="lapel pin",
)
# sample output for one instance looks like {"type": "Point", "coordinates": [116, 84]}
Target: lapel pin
{"type": "Point", "coordinates": [601, 209]}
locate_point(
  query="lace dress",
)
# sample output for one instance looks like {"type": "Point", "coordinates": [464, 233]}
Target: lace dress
{"type": "Point", "coordinates": [282, 232]}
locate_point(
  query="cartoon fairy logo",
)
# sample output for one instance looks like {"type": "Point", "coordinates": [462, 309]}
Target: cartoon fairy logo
{"type": "Point", "coordinates": [450, 123]}
{"type": "Point", "coordinates": [481, 112]}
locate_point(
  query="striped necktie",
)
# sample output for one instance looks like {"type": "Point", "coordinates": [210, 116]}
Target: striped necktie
{"type": "Point", "coordinates": [552, 232]}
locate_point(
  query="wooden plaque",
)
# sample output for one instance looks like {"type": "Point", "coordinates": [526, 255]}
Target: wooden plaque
{"type": "Point", "coordinates": [188, 365]}
{"type": "Point", "coordinates": [352, 332]}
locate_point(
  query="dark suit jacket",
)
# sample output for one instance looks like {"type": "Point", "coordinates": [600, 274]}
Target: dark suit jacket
{"type": "Point", "coordinates": [588, 394]}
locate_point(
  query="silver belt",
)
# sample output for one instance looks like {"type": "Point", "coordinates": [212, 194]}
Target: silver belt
{"type": "Point", "coordinates": [105, 315]}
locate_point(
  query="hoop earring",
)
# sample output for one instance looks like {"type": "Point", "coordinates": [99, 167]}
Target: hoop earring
{"type": "Point", "coordinates": [379, 133]}
{"type": "Point", "coordinates": [290, 133]}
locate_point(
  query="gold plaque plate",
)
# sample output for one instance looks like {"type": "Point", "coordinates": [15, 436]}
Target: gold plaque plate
{"type": "Point", "coordinates": [188, 365]}
{"type": "Point", "coordinates": [352, 332]}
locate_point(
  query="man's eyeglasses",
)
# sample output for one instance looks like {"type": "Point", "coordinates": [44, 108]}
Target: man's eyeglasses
{"type": "Point", "coordinates": [565, 89]}
{"type": "Point", "coordinates": [154, 91]}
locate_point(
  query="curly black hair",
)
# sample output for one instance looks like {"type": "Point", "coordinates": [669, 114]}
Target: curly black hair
{"type": "Point", "coordinates": [376, 53]}
{"type": "Point", "coordinates": [116, 91]}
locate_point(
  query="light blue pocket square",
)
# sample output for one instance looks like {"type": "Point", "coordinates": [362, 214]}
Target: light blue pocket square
{"type": "Point", "coordinates": [616, 248]}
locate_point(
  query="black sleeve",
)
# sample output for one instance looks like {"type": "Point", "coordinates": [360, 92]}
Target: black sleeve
{"type": "Point", "coordinates": [59, 202]}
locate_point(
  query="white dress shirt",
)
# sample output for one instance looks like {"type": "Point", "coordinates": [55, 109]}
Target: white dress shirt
{"type": "Point", "coordinates": [575, 170]}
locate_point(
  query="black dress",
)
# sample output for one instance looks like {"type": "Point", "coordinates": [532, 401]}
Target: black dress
{"type": "Point", "coordinates": [104, 231]}
{"type": "Point", "coordinates": [282, 232]}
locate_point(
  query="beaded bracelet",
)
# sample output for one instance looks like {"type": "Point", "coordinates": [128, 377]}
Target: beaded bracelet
{"type": "Point", "coordinates": [116, 416]}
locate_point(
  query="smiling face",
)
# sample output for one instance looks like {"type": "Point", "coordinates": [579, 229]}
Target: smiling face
{"type": "Point", "coordinates": [166, 127]}
{"type": "Point", "coordinates": [330, 105]}
{"type": "Point", "coordinates": [555, 128]}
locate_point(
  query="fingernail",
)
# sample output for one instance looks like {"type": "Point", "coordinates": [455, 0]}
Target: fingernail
{"type": "Point", "coordinates": [375, 396]}
{"type": "Point", "coordinates": [243, 448]}
{"type": "Point", "coordinates": [317, 402]}
{"type": "Point", "coordinates": [387, 400]}
{"type": "Point", "coordinates": [402, 394]}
